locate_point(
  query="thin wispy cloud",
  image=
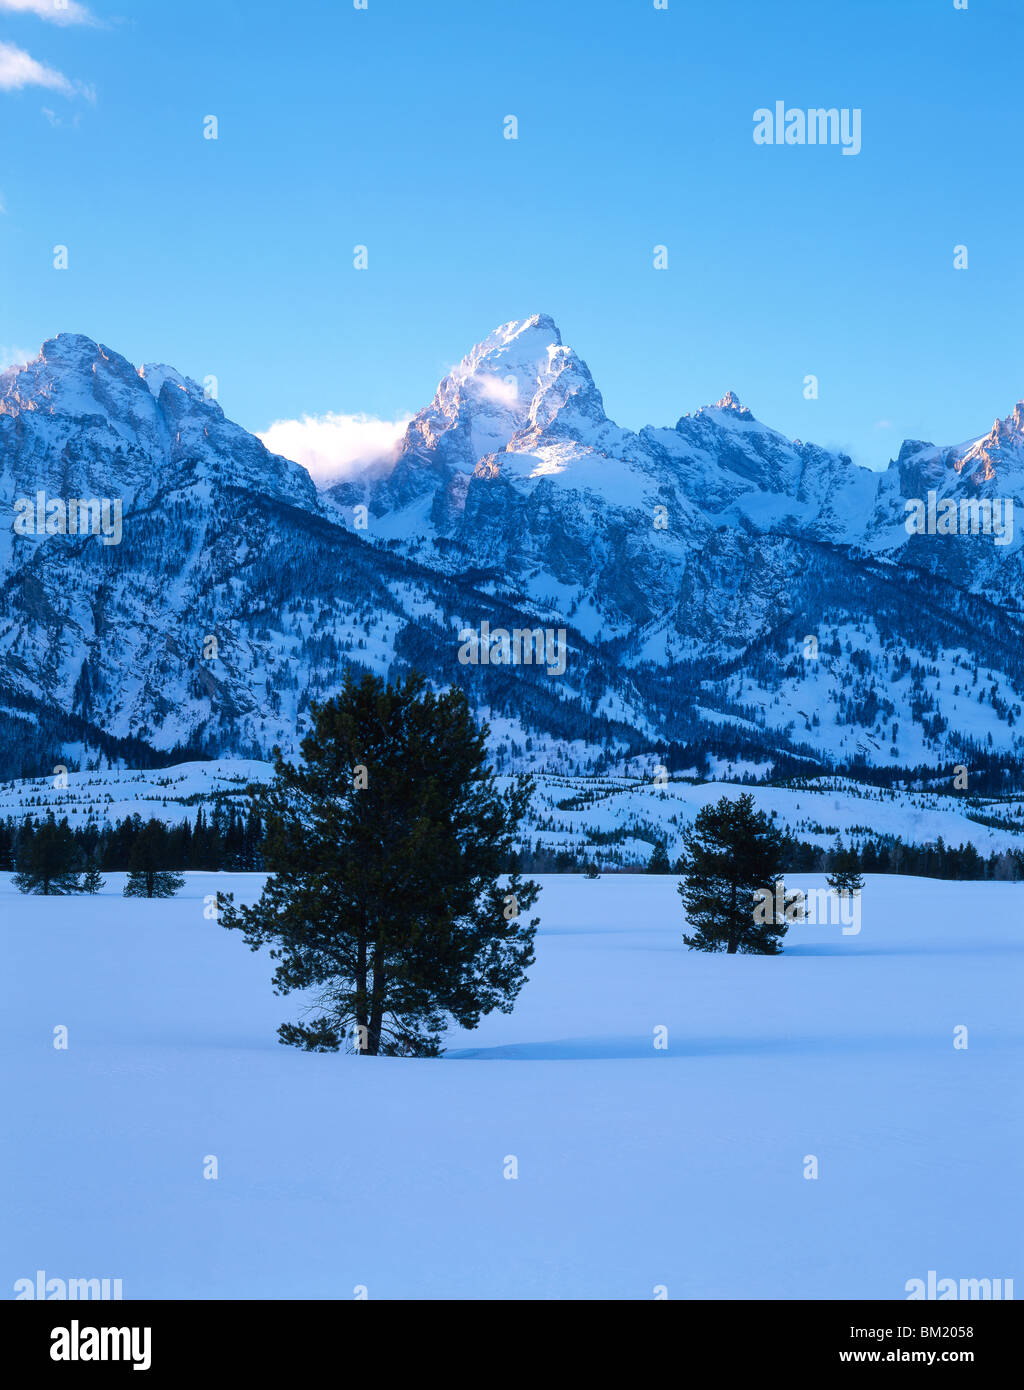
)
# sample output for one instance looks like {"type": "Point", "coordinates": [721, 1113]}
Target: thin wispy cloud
{"type": "Point", "coordinates": [16, 356]}
{"type": "Point", "coordinates": [19, 70]}
{"type": "Point", "coordinates": [335, 447]}
{"type": "Point", "coordinates": [71, 12]}
{"type": "Point", "coordinates": [57, 121]}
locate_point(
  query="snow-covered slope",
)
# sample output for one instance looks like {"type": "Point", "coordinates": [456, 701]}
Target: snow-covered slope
{"type": "Point", "coordinates": [716, 548]}
{"type": "Point", "coordinates": [80, 421]}
{"type": "Point", "coordinates": [515, 468]}
{"type": "Point", "coordinates": [230, 599]}
{"type": "Point", "coordinates": [613, 821]}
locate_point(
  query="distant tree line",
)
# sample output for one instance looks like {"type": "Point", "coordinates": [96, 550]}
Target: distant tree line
{"type": "Point", "coordinates": [882, 855]}
{"type": "Point", "coordinates": [233, 840]}
{"type": "Point", "coordinates": [50, 856]}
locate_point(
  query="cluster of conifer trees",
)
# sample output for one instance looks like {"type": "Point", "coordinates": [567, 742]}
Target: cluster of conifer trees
{"type": "Point", "coordinates": [229, 839]}
{"type": "Point", "coordinates": [886, 855]}
{"type": "Point", "coordinates": [50, 856]}
{"type": "Point", "coordinates": [891, 855]}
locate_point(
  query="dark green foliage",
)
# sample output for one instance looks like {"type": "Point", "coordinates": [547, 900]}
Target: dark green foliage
{"type": "Point", "coordinates": [731, 852]}
{"type": "Point", "coordinates": [47, 859]}
{"type": "Point", "coordinates": [845, 874]}
{"type": "Point", "coordinates": [233, 842]}
{"type": "Point", "coordinates": [659, 861]}
{"type": "Point", "coordinates": [92, 880]}
{"type": "Point", "coordinates": [211, 844]}
{"type": "Point", "coordinates": [385, 847]}
{"type": "Point", "coordinates": [150, 875]}
{"type": "Point", "coordinates": [846, 880]}
{"type": "Point", "coordinates": [8, 837]}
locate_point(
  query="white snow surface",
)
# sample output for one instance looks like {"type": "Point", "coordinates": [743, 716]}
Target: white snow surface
{"type": "Point", "coordinates": [637, 1167]}
{"type": "Point", "coordinates": [635, 808]}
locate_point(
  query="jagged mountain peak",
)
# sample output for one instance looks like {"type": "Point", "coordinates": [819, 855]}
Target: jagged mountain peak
{"type": "Point", "coordinates": [997, 455]}
{"type": "Point", "coordinates": [81, 420]}
{"type": "Point", "coordinates": [509, 364]}
{"type": "Point", "coordinates": [68, 347]}
{"type": "Point", "coordinates": [518, 387]}
{"type": "Point", "coordinates": [1009, 427]}
{"type": "Point", "coordinates": [66, 356]}
{"type": "Point", "coordinates": [728, 410]}
{"type": "Point", "coordinates": [157, 375]}
{"type": "Point", "coordinates": [542, 327]}
{"type": "Point", "coordinates": [75, 376]}
{"type": "Point", "coordinates": [676, 549]}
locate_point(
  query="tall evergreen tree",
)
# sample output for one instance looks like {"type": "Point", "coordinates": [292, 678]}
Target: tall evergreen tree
{"type": "Point", "coordinates": [659, 861]}
{"type": "Point", "coordinates": [386, 846]}
{"type": "Point", "coordinates": [731, 853]}
{"type": "Point", "coordinates": [92, 879]}
{"type": "Point", "coordinates": [7, 842]}
{"type": "Point", "coordinates": [846, 880]}
{"type": "Point", "coordinates": [48, 859]}
{"type": "Point", "coordinates": [233, 854]}
{"type": "Point", "coordinates": [253, 840]}
{"type": "Point", "coordinates": [845, 876]}
{"type": "Point", "coordinates": [149, 875]}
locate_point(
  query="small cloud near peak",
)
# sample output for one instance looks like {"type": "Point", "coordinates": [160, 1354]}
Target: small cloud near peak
{"type": "Point", "coordinates": [16, 356]}
{"type": "Point", "coordinates": [337, 448]}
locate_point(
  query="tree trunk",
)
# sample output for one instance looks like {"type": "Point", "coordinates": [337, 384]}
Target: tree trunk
{"type": "Point", "coordinates": [376, 1023]}
{"type": "Point", "coordinates": [376, 1005]}
{"type": "Point", "coordinates": [733, 939]}
{"type": "Point", "coordinates": [362, 1020]}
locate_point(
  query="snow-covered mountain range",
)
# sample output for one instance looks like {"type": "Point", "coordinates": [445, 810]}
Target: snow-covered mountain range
{"type": "Point", "coordinates": [689, 566]}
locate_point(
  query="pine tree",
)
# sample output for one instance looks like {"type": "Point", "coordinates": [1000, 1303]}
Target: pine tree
{"type": "Point", "coordinates": [847, 877]}
{"type": "Point", "coordinates": [7, 842]}
{"type": "Point", "coordinates": [253, 841]}
{"type": "Point", "coordinates": [234, 846]}
{"type": "Point", "coordinates": [971, 864]}
{"type": "Point", "coordinates": [149, 875]}
{"type": "Point", "coordinates": [92, 879]}
{"type": "Point", "coordinates": [204, 855]}
{"type": "Point", "coordinates": [386, 847]}
{"type": "Point", "coordinates": [47, 858]}
{"type": "Point", "coordinates": [659, 860]}
{"type": "Point", "coordinates": [844, 866]}
{"type": "Point", "coordinates": [730, 856]}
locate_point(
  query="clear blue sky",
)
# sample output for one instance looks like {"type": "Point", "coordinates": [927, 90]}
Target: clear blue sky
{"type": "Point", "coordinates": [384, 127]}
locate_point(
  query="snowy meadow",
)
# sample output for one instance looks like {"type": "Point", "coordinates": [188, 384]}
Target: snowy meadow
{"type": "Point", "coordinates": [829, 1123]}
